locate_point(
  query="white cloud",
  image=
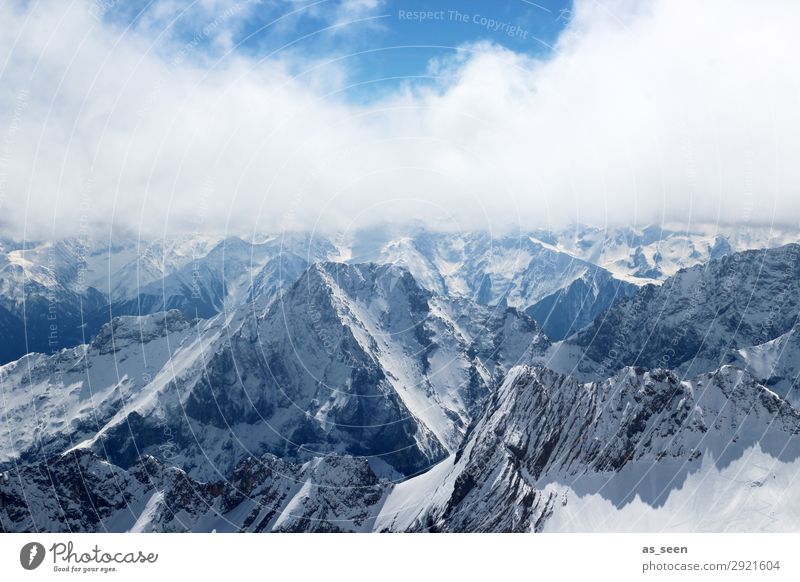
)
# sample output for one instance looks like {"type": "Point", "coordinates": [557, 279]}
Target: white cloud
{"type": "Point", "coordinates": [677, 109]}
{"type": "Point", "coordinates": [353, 9]}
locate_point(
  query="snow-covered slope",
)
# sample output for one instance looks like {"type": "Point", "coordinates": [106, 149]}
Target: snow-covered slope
{"type": "Point", "coordinates": [51, 403]}
{"type": "Point", "coordinates": [637, 437]}
{"type": "Point", "coordinates": [775, 363]}
{"type": "Point", "coordinates": [755, 493]}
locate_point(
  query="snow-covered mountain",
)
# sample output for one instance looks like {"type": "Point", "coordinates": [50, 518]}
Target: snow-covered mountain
{"type": "Point", "coordinates": [42, 305]}
{"type": "Point", "coordinates": [516, 269]}
{"type": "Point", "coordinates": [574, 273]}
{"type": "Point", "coordinates": [399, 381]}
{"type": "Point", "coordinates": [231, 273]}
{"type": "Point", "coordinates": [54, 402]}
{"type": "Point", "coordinates": [353, 359]}
{"type": "Point", "coordinates": [80, 285]}
{"type": "Point", "coordinates": [654, 252]}
{"type": "Point", "coordinates": [697, 316]}
{"type": "Point", "coordinates": [121, 265]}
{"type": "Point", "coordinates": [548, 453]}
{"type": "Point", "coordinates": [572, 308]}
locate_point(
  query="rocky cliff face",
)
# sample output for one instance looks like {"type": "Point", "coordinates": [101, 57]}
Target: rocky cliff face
{"type": "Point", "coordinates": [574, 307]}
{"type": "Point", "coordinates": [636, 436]}
{"type": "Point", "coordinates": [696, 317]}
{"type": "Point", "coordinates": [80, 492]}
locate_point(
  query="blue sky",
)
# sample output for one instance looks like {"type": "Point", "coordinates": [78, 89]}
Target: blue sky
{"type": "Point", "coordinates": [380, 43]}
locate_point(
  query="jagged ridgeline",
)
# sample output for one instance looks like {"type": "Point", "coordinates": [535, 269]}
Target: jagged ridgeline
{"type": "Point", "coordinates": [585, 380]}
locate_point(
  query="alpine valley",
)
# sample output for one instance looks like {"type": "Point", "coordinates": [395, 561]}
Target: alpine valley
{"type": "Point", "coordinates": [402, 380]}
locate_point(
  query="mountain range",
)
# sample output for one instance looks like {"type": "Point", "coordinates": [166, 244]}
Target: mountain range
{"type": "Point", "coordinates": [583, 380]}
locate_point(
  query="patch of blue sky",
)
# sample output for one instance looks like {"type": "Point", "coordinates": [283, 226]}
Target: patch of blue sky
{"type": "Point", "coordinates": [379, 45]}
